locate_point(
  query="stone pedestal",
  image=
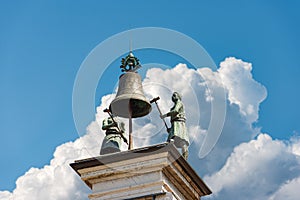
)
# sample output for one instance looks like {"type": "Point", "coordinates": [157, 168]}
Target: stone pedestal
{"type": "Point", "coordinates": [155, 172]}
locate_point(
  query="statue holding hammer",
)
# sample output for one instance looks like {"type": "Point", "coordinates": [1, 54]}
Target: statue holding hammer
{"type": "Point", "coordinates": [113, 135]}
{"type": "Point", "coordinates": [178, 131]}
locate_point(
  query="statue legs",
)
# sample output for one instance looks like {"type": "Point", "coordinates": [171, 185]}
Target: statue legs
{"type": "Point", "coordinates": [185, 152]}
{"type": "Point", "coordinates": [110, 144]}
{"type": "Point", "coordinates": [180, 143]}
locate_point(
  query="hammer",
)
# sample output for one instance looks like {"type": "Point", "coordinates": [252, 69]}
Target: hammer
{"type": "Point", "coordinates": [155, 101]}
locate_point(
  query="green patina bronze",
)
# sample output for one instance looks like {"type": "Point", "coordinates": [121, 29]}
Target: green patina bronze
{"type": "Point", "coordinates": [130, 63]}
{"type": "Point", "coordinates": [113, 138]}
{"type": "Point", "coordinates": [178, 131]}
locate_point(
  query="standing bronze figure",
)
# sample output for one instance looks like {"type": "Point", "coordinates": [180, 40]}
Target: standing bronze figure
{"type": "Point", "coordinates": [113, 138]}
{"type": "Point", "coordinates": [178, 131]}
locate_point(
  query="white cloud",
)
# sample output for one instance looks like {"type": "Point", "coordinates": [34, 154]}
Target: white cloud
{"type": "Point", "coordinates": [5, 195]}
{"type": "Point", "coordinates": [236, 75]}
{"type": "Point", "coordinates": [288, 191]}
{"type": "Point", "coordinates": [255, 170]}
{"type": "Point", "coordinates": [295, 145]}
{"type": "Point", "coordinates": [237, 165]}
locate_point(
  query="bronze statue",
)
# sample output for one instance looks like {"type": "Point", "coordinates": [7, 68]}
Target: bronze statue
{"type": "Point", "coordinates": [114, 134]}
{"type": "Point", "coordinates": [178, 131]}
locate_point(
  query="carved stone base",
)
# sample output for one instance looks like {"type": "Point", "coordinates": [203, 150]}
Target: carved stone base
{"type": "Point", "coordinates": [155, 172]}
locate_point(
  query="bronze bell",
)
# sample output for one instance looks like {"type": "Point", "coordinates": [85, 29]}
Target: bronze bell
{"type": "Point", "coordinates": [130, 100]}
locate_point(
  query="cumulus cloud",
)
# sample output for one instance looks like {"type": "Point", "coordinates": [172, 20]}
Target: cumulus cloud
{"type": "Point", "coordinates": [255, 170]}
{"type": "Point", "coordinates": [242, 161]}
{"type": "Point", "coordinates": [242, 91]}
{"type": "Point", "coordinates": [236, 75]}
{"type": "Point", "coordinates": [288, 191]}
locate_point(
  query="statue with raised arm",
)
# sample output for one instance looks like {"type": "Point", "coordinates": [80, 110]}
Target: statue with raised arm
{"type": "Point", "coordinates": [113, 138]}
{"type": "Point", "coordinates": [178, 131]}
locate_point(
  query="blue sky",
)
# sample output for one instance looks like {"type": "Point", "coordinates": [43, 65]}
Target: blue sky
{"type": "Point", "coordinates": [43, 43]}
